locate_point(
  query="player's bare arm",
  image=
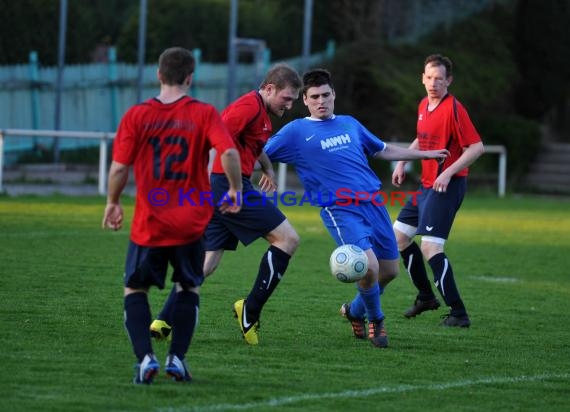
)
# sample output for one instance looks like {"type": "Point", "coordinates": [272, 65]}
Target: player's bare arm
{"type": "Point", "coordinates": [470, 154]}
{"type": "Point", "coordinates": [393, 152]}
{"type": "Point", "coordinates": [399, 174]}
{"type": "Point", "coordinates": [232, 168]}
{"type": "Point", "coordinates": [267, 183]}
{"type": "Point", "coordinates": [118, 177]}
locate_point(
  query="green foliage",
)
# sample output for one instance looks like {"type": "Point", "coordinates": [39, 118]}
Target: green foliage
{"type": "Point", "coordinates": [381, 85]}
{"type": "Point", "coordinates": [542, 48]}
{"type": "Point", "coordinates": [196, 24]}
{"type": "Point", "coordinates": [521, 136]}
{"type": "Point", "coordinates": [34, 25]}
{"type": "Point", "coordinates": [65, 347]}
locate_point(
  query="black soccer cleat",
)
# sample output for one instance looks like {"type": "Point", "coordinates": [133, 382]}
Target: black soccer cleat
{"type": "Point", "coordinates": [421, 306]}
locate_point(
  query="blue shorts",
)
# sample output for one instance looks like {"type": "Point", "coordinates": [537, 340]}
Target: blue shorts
{"type": "Point", "coordinates": [147, 266]}
{"type": "Point", "coordinates": [434, 212]}
{"type": "Point", "coordinates": [366, 225]}
{"type": "Point", "coordinates": [258, 216]}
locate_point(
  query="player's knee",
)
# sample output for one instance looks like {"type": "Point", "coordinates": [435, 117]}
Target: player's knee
{"type": "Point", "coordinates": [430, 249]}
{"type": "Point", "coordinates": [209, 269]}
{"type": "Point", "coordinates": [402, 240]}
{"type": "Point", "coordinates": [289, 242]}
{"type": "Point", "coordinates": [293, 241]}
{"type": "Point", "coordinates": [389, 270]}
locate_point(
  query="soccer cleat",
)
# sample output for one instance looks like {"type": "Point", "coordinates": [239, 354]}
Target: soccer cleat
{"type": "Point", "coordinates": [358, 325]}
{"type": "Point", "coordinates": [420, 306]}
{"type": "Point", "coordinates": [377, 334]}
{"type": "Point", "coordinates": [146, 370]}
{"type": "Point", "coordinates": [177, 369]}
{"type": "Point", "coordinates": [248, 329]}
{"type": "Point", "coordinates": [456, 321]}
{"type": "Point", "coordinates": [160, 330]}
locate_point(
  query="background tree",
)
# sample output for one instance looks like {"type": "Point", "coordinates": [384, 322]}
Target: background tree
{"type": "Point", "coordinates": [542, 51]}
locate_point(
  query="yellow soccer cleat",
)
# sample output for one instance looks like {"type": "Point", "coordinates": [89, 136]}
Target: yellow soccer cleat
{"type": "Point", "coordinates": [160, 330]}
{"type": "Point", "coordinates": [248, 329]}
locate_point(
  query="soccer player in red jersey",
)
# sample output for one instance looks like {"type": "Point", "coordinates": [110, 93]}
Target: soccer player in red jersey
{"type": "Point", "coordinates": [443, 122]}
{"type": "Point", "coordinates": [167, 140]}
{"type": "Point", "coordinates": [248, 121]}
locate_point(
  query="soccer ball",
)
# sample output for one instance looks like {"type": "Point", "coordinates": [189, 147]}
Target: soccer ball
{"type": "Point", "coordinates": [348, 263]}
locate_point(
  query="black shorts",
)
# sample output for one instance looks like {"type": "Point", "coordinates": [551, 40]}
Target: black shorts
{"type": "Point", "coordinates": [434, 212]}
{"type": "Point", "coordinates": [258, 216]}
{"type": "Point", "coordinates": [147, 266]}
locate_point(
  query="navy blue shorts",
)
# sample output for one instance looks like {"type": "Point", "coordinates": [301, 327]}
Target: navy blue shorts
{"type": "Point", "coordinates": [366, 225]}
{"type": "Point", "coordinates": [258, 216]}
{"type": "Point", "coordinates": [434, 212]}
{"type": "Point", "coordinates": [147, 266]}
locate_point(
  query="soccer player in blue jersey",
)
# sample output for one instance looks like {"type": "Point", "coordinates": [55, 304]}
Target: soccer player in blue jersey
{"type": "Point", "coordinates": [330, 155]}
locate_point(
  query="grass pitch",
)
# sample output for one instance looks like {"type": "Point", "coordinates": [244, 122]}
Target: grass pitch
{"type": "Point", "coordinates": [64, 347]}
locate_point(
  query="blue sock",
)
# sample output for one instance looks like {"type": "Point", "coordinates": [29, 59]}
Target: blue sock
{"type": "Point", "coordinates": [371, 298]}
{"type": "Point", "coordinates": [137, 323]}
{"type": "Point", "coordinates": [357, 307]}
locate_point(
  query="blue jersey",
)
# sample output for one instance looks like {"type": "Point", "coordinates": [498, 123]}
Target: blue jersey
{"type": "Point", "coordinates": [330, 156]}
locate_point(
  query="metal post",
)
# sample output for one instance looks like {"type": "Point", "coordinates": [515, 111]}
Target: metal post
{"type": "Point", "coordinates": [102, 176]}
{"type": "Point", "coordinates": [34, 79]}
{"type": "Point", "coordinates": [331, 49]}
{"type": "Point", "coordinates": [60, 67]}
{"type": "Point", "coordinates": [1, 160]}
{"type": "Point", "coordinates": [307, 29]}
{"type": "Point", "coordinates": [306, 54]}
{"type": "Point", "coordinates": [502, 172]}
{"type": "Point", "coordinates": [197, 53]}
{"type": "Point", "coordinates": [141, 48]}
{"type": "Point", "coordinates": [113, 77]}
{"type": "Point", "coordinates": [232, 52]}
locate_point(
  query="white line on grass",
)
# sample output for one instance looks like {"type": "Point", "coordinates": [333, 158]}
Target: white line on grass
{"type": "Point", "coordinates": [496, 279]}
{"type": "Point", "coordinates": [365, 392]}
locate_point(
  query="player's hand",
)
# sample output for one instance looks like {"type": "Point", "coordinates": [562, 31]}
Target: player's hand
{"type": "Point", "coordinates": [439, 155]}
{"type": "Point", "coordinates": [399, 174]}
{"type": "Point", "coordinates": [441, 182]}
{"type": "Point", "coordinates": [232, 205]}
{"type": "Point", "coordinates": [267, 182]}
{"type": "Point", "coordinates": [113, 216]}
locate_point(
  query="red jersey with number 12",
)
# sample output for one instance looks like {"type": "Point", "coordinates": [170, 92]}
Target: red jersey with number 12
{"type": "Point", "coordinates": [168, 146]}
{"type": "Point", "coordinates": [449, 127]}
{"type": "Point", "coordinates": [250, 126]}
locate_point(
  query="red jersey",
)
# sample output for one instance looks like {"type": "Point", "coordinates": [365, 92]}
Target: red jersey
{"type": "Point", "coordinates": [250, 126]}
{"type": "Point", "coordinates": [168, 146]}
{"type": "Point", "coordinates": [449, 127]}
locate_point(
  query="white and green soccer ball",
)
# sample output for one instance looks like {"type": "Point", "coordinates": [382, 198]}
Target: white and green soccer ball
{"type": "Point", "coordinates": [348, 263]}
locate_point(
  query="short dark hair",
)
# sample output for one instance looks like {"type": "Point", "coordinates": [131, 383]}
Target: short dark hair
{"type": "Point", "coordinates": [439, 60]}
{"type": "Point", "coordinates": [282, 76]}
{"type": "Point", "coordinates": [175, 64]}
{"type": "Point", "coordinates": [316, 78]}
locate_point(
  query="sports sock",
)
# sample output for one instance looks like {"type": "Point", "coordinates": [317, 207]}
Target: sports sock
{"type": "Point", "coordinates": [445, 283]}
{"type": "Point", "coordinates": [371, 298]}
{"type": "Point", "coordinates": [184, 322]}
{"type": "Point", "coordinates": [137, 322]}
{"type": "Point", "coordinates": [414, 262]}
{"type": "Point", "coordinates": [357, 307]}
{"type": "Point", "coordinates": [271, 268]}
{"type": "Point", "coordinates": [167, 312]}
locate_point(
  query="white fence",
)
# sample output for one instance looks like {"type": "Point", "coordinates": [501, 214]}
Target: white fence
{"type": "Point", "coordinates": [104, 139]}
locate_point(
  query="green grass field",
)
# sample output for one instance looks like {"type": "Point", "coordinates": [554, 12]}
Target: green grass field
{"type": "Point", "coordinates": [64, 347]}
